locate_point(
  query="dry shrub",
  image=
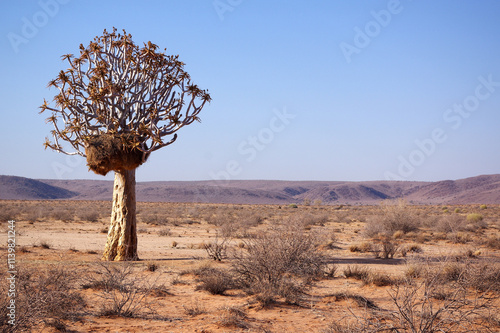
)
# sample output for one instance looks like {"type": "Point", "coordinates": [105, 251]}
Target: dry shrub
{"type": "Point", "coordinates": [7, 213]}
{"type": "Point", "coordinates": [450, 223]}
{"type": "Point", "coordinates": [32, 215]}
{"type": "Point", "coordinates": [124, 293]}
{"type": "Point", "coordinates": [153, 218]}
{"type": "Point", "coordinates": [386, 248]}
{"type": "Point", "coordinates": [283, 261]}
{"type": "Point", "coordinates": [342, 216]}
{"type": "Point", "coordinates": [433, 304]}
{"type": "Point", "coordinates": [413, 248]}
{"type": "Point", "coordinates": [56, 323]}
{"type": "Point", "coordinates": [265, 295]}
{"type": "Point", "coordinates": [471, 253]}
{"type": "Point", "coordinates": [398, 234]}
{"type": "Point", "coordinates": [227, 225]}
{"type": "Point", "coordinates": [45, 245]}
{"type": "Point", "coordinates": [65, 215]}
{"type": "Point", "coordinates": [215, 281]}
{"type": "Point", "coordinates": [160, 290]}
{"type": "Point", "coordinates": [493, 243]}
{"type": "Point", "coordinates": [164, 232]}
{"type": "Point", "coordinates": [195, 309]}
{"type": "Point", "coordinates": [413, 270]}
{"type": "Point", "coordinates": [450, 271]}
{"type": "Point", "coordinates": [456, 223]}
{"type": "Point", "coordinates": [88, 215]}
{"type": "Point", "coordinates": [308, 219]}
{"type": "Point", "coordinates": [393, 217]}
{"type": "Point", "coordinates": [45, 295]}
{"type": "Point", "coordinates": [484, 276]}
{"type": "Point", "coordinates": [422, 237]}
{"type": "Point", "coordinates": [248, 219]}
{"type": "Point", "coordinates": [360, 300]}
{"type": "Point", "coordinates": [354, 248]}
{"type": "Point", "coordinates": [459, 237]}
{"type": "Point", "coordinates": [232, 316]}
{"type": "Point", "coordinates": [357, 272]}
{"type": "Point", "coordinates": [151, 267]}
{"type": "Point", "coordinates": [24, 249]}
{"type": "Point", "coordinates": [416, 310]}
{"type": "Point", "coordinates": [216, 250]}
{"type": "Point", "coordinates": [345, 326]}
{"type": "Point", "coordinates": [330, 271]}
{"type": "Point", "coordinates": [380, 279]}
{"type": "Point", "coordinates": [362, 247]}
{"type": "Point", "coordinates": [201, 269]}
{"type": "Point", "coordinates": [364, 274]}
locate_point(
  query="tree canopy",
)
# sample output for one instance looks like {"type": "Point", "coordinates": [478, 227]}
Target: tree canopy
{"type": "Point", "coordinates": [115, 87]}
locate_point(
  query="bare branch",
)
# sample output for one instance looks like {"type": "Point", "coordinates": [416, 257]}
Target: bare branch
{"type": "Point", "coordinates": [115, 87]}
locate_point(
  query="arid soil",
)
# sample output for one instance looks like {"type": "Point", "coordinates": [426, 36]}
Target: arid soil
{"type": "Point", "coordinates": [170, 289]}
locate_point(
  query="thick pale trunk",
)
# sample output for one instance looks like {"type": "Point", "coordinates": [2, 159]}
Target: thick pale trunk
{"type": "Point", "coordinates": [122, 234]}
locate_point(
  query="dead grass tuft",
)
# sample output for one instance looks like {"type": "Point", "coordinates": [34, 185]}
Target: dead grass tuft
{"type": "Point", "coordinates": [232, 316]}
{"type": "Point", "coordinates": [215, 281]}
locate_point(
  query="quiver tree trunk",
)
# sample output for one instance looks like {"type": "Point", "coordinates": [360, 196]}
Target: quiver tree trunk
{"type": "Point", "coordinates": [122, 234]}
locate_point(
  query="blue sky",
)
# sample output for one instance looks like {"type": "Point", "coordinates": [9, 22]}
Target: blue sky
{"type": "Point", "coordinates": [302, 90]}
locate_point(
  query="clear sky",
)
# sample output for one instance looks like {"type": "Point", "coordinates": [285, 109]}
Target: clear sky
{"type": "Point", "coordinates": [302, 90]}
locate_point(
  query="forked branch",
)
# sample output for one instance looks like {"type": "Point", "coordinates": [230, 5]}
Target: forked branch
{"type": "Point", "coordinates": [115, 87]}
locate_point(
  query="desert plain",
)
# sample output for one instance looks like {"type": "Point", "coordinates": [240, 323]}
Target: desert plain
{"type": "Point", "coordinates": [306, 267]}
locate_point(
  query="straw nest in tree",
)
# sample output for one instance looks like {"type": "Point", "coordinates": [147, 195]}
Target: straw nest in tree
{"type": "Point", "coordinates": [107, 152]}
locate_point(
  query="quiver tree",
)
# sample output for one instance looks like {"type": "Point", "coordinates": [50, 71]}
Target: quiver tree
{"type": "Point", "coordinates": [118, 103]}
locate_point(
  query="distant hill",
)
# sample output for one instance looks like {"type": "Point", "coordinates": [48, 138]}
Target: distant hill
{"type": "Point", "coordinates": [12, 187]}
{"type": "Point", "coordinates": [481, 189]}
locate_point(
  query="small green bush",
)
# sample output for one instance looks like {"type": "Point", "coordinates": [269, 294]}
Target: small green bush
{"type": "Point", "coordinates": [474, 217]}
